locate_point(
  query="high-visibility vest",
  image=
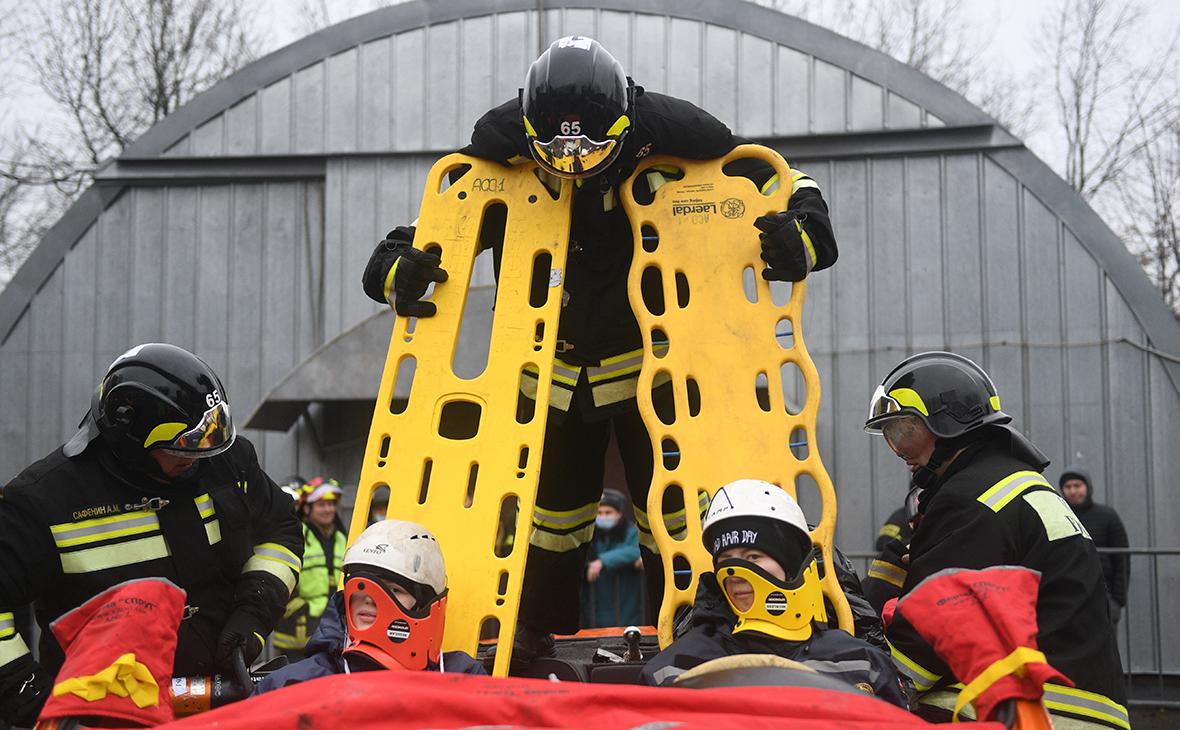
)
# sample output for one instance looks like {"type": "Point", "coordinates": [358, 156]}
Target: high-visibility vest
{"type": "Point", "coordinates": [311, 595]}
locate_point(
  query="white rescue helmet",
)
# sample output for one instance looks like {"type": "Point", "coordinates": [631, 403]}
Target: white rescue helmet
{"type": "Point", "coordinates": [404, 548]}
{"type": "Point", "coordinates": [754, 498]}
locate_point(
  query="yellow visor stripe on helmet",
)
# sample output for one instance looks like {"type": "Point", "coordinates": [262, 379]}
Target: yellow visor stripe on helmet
{"type": "Point", "coordinates": [907, 397]}
{"type": "Point", "coordinates": [617, 128]}
{"type": "Point", "coordinates": [528, 127]}
{"type": "Point", "coordinates": [164, 432]}
{"type": "Point", "coordinates": [995, 402]}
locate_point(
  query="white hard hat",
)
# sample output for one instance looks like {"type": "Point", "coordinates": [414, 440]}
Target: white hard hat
{"type": "Point", "coordinates": [754, 498]}
{"type": "Point", "coordinates": [403, 548]}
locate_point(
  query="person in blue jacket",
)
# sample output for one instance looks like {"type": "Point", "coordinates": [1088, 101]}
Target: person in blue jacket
{"type": "Point", "coordinates": [764, 597]}
{"type": "Point", "coordinates": [390, 614]}
{"type": "Point", "coordinates": [614, 572]}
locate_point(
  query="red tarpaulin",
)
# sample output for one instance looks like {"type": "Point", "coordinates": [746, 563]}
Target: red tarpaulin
{"type": "Point", "coordinates": [429, 700]}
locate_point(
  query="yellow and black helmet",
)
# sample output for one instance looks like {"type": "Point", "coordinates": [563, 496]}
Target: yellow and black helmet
{"type": "Point", "coordinates": [951, 394]}
{"type": "Point", "coordinates": [578, 106]}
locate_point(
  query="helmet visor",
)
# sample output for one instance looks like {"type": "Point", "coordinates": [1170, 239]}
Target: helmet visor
{"type": "Point", "coordinates": [882, 408]}
{"type": "Point", "coordinates": [575, 157]}
{"type": "Point", "coordinates": [211, 436]}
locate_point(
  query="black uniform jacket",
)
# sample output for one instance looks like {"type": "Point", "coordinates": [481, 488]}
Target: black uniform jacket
{"type": "Point", "coordinates": [73, 527]}
{"type": "Point", "coordinates": [597, 323]}
{"type": "Point", "coordinates": [831, 652]}
{"type": "Point", "coordinates": [991, 508]}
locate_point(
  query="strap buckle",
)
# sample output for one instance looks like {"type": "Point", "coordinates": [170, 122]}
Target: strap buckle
{"type": "Point", "coordinates": [563, 346]}
{"type": "Point", "coordinates": [155, 504]}
{"type": "Point", "coordinates": [189, 612]}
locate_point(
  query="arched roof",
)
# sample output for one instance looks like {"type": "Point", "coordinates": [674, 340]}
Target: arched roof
{"type": "Point", "coordinates": [946, 106]}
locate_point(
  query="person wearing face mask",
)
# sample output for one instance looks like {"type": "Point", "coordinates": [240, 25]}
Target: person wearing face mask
{"type": "Point", "coordinates": [614, 574]}
{"type": "Point", "coordinates": [981, 501]}
{"type": "Point", "coordinates": [390, 615]}
{"type": "Point", "coordinates": [156, 483]}
{"type": "Point", "coordinates": [764, 597]}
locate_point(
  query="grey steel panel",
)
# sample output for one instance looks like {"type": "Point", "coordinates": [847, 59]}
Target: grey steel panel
{"type": "Point", "coordinates": [361, 232]}
{"type": "Point", "coordinates": [901, 113]}
{"type": "Point", "coordinates": [149, 226]}
{"type": "Point", "coordinates": [180, 148]}
{"type": "Point", "coordinates": [112, 331]}
{"type": "Point", "coordinates": [45, 423]}
{"type": "Point", "coordinates": [216, 277]}
{"type": "Point", "coordinates": [720, 77]}
{"type": "Point", "coordinates": [1085, 425]}
{"type": "Point", "coordinates": [245, 329]}
{"type": "Point", "coordinates": [344, 99]}
{"type": "Point", "coordinates": [1002, 289]}
{"type": "Point", "coordinates": [851, 190]}
{"type": "Point", "coordinates": [792, 92]}
{"type": "Point", "coordinates": [615, 34]}
{"type": "Point", "coordinates": [183, 255]}
{"type": "Point", "coordinates": [82, 374]}
{"type": "Point", "coordinates": [334, 241]}
{"type": "Point", "coordinates": [1043, 327]}
{"type": "Point", "coordinates": [756, 85]}
{"type": "Point", "coordinates": [241, 127]}
{"type": "Point", "coordinates": [276, 122]}
{"type": "Point", "coordinates": [852, 470]}
{"type": "Point", "coordinates": [375, 109]}
{"type": "Point", "coordinates": [14, 389]}
{"type": "Point", "coordinates": [163, 171]}
{"type": "Point", "coordinates": [888, 273]}
{"type": "Point", "coordinates": [828, 98]}
{"type": "Point", "coordinates": [279, 313]}
{"type": "Point", "coordinates": [866, 107]}
{"type": "Point", "coordinates": [478, 64]}
{"type": "Point", "coordinates": [653, 61]}
{"type": "Point", "coordinates": [962, 252]}
{"type": "Point", "coordinates": [516, 39]}
{"type": "Point", "coordinates": [409, 109]}
{"type": "Point", "coordinates": [442, 86]}
{"type": "Point", "coordinates": [924, 231]}
{"type": "Point", "coordinates": [307, 107]}
{"type": "Point", "coordinates": [309, 288]}
{"type": "Point", "coordinates": [209, 137]}
{"type": "Point", "coordinates": [684, 45]}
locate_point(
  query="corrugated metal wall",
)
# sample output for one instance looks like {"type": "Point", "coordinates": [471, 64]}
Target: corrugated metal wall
{"type": "Point", "coordinates": [936, 251]}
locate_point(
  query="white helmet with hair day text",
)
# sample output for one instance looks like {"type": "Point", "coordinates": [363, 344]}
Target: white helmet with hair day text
{"type": "Point", "coordinates": [407, 554]}
{"type": "Point", "coordinates": [751, 513]}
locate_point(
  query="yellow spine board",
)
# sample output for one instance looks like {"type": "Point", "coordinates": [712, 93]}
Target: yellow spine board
{"type": "Point", "coordinates": [719, 344]}
{"type": "Point", "coordinates": [405, 437]}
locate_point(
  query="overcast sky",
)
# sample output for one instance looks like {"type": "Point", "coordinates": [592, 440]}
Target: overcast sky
{"type": "Point", "coordinates": [1012, 25]}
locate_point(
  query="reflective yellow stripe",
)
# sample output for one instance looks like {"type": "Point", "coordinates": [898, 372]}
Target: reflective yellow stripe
{"type": "Point", "coordinates": [563, 519]}
{"type": "Point", "coordinates": [1014, 663]}
{"type": "Point", "coordinates": [205, 506]}
{"type": "Point", "coordinates": [1087, 704]}
{"type": "Point", "coordinates": [164, 432]}
{"type": "Point", "coordinates": [387, 287]}
{"type": "Point", "coordinates": [213, 531]}
{"type": "Point", "coordinates": [617, 128]}
{"type": "Point", "coordinates": [909, 398]}
{"type": "Point", "coordinates": [1011, 487]}
{"type": "Point", "coordinates": [70, 534]}
{"type": "Point", "coordinates": [7, 625]}
{"type": "Point", "coordinates": [528, 127]}
{"type": "Point", "coordinates": [890, 530]}
{"type": "Point", "coordinates": [113, 556]}
{"type": "Point", "coordinates": [12, 649]}
{"type": "Point", "coordinates": [808, 245]}
{"type": "Point", "coordinates": [770, 185]}
{"type": "Point", "coordinates": [562, 543]}
{"type": "Point", "coordinates": [887, 572]}
{"type": "Point", "coordinates": [923, 678]}
{"type": "Point", "coordinates": [278, 569]}
{"type": "Point", "coordinates": [278, 553]}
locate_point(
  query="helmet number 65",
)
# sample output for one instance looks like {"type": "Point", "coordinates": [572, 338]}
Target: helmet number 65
{"type": "Point", "coordinates": [571, 127]}
{"type": "Point", "coordinates": [212, 399]}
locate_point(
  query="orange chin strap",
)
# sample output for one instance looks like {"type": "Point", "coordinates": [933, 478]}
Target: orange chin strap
{"type": "Point", "coordinates": [398, 639]}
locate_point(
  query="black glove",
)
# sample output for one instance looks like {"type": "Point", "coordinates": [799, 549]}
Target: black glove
{"type": "Point", "coordinates": [411, 271]}
{"type": "Point", "coordinates": [789, 256]}
{"type": "Point", "coordinates": [23, 695]}
{"type": "Point", "coordinates": [243, 629]}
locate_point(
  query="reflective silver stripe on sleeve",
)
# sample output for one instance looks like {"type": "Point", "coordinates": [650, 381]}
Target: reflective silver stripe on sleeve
{"type": "Point", "coordinates": [850, 665]}
{"type": "Point", "coordinates": [1009, 488]}
{"type": "Point", "coordinates": [667, 673]}
{"type": "Point", "coordinates": [568, 518]}
{"type": "Point", "coordinates": [1087, 704]}
{"type": "Point", "coordinates": [7, 625]}
{"type": "Point", "coordinates": [270, 551]}
{"type": "Point", "coordinates": [66, 536]}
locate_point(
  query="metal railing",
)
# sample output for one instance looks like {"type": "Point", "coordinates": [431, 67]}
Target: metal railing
{"type": "Point", "coordinates": [1149, 652]}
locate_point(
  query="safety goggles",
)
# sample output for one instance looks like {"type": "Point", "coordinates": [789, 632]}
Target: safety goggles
{"type": "Point", "coordinates": [882, 408]}
{"type": "Point", "coordinates": [213, 434]}
{"type": "Point", "coordinates": [575, 157]}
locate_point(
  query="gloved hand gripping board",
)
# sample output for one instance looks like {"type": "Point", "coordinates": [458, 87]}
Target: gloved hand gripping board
{"type": "Point", "coordinates": [457, 450]}
{"type": "Point", "coordinates": [697, 239]}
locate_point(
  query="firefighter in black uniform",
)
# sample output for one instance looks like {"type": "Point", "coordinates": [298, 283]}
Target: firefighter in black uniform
{"type": "Point", "coordinates": [154, 484]}
{"type": "Point", "coordinates": [984, 502]}
{"type": "Point", "coordinates": [579, 116]}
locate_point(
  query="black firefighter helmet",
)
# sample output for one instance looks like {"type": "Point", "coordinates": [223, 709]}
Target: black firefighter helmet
{"type": "Point", "coordinates": [578, 106]}
{"type": "Point", "coordinates": [157, 397]}
{"type": "Point", "coordinates": [951, 394]}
